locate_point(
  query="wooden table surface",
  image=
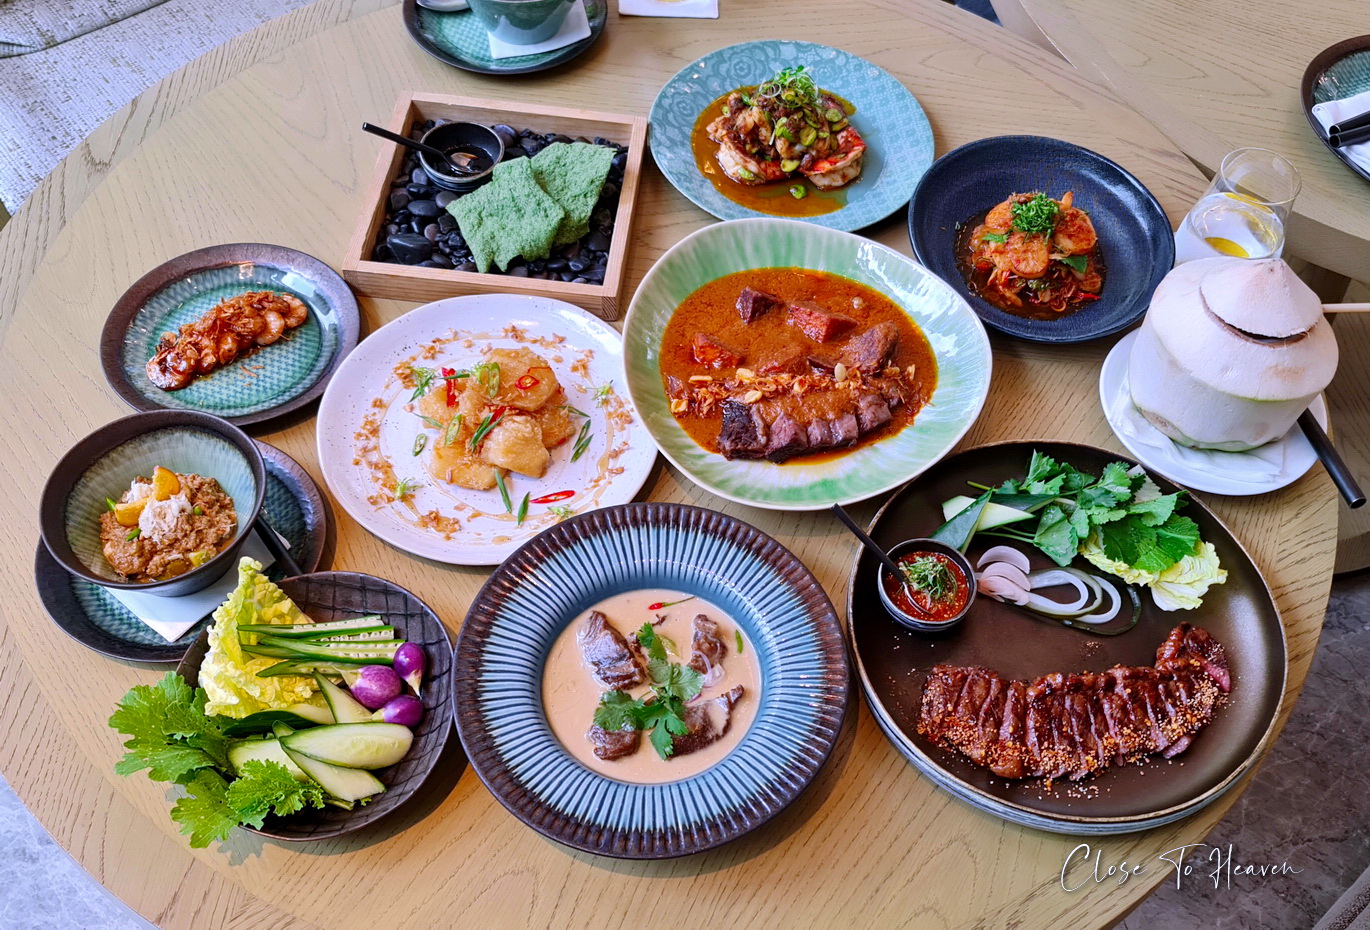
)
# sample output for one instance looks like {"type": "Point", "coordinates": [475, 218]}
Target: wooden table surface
{"type": "Point", "coordinates": [260, 141]}
{"type": "Point", "coordinates": [1216, 76]}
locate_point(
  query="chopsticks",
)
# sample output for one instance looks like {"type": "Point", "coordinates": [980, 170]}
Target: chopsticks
{"type": "Point", "coordinates": [1349, 131]}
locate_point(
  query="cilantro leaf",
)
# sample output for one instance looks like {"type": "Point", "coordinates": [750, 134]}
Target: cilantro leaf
{"type": "Point", "coordinates": [204, 814]}
{"type": "Point", "coordinates": [617, 710]}
{"type": "Point", "coordinates": [662, 742]}
{"type": "Point", "coordinates": [264, 787]}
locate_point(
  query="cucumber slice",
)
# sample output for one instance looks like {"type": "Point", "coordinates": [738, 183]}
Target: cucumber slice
{"type": "Point", "coordinates": [381, 652]}
{"type": "Point", "coordinates": [344, 707]}
{"type": "Point", "coordinates": [327, 628]}
{"type": "Point", "coordinates": [353, 745]}
{"type": "Point", "coordinates": [262, 750]}
{"type": "Point", "coordinates": [313, 713]}
{"type": "Point", "coordinates": [993, 515]}
{"type": "Point", "coordinates": [345, 784]}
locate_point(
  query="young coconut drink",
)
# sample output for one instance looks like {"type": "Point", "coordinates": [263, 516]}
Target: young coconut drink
{"type": "Point", "coordinates": [1230, 353]}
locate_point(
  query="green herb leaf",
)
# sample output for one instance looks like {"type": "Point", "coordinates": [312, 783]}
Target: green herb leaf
{"type": "Point", "coordinates": [582, 443]}
{"type": "Point", "coordinates": [929, 575]}
{"type": "Point", "coordinates": [617, 710]}
{"type": "Point", "coordinates": [204, 815]}
{"type": "Point", "coordinates": [264, 787]}
{"type": "Point", "coordinates": [576, 410]}
{"type": "Point", "coordinates": [429, 421]}
{"type": "Point", "coordinates": [487, 423]}
{"type": "Point", "coordinates": [738, 634]}
{"type": "Point", "coordinates": [405, 487]}
{"type": "Point", "coordinates": [1000, 238]}
{"type": "Point", "coordinates": [133, 534]}
{"type": "Point", "coordinates": [603, 393]}
{"type": "Point", "coordinates": [523, 508]}
{"type": "Point", "coordinates": [1078, 262]}
{"type": "Point", "coordinates": [561, 511]}
{"type": "Point", "coordinates": [109, 502]}
{"type": "Point", "coordinates": [1037, 215]}
{"type": "Point", "coordinates": [423, 380]}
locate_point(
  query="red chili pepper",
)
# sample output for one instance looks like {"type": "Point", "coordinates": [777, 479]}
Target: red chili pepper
{"type": "Point", "coordinates": [553, 498]}
{"type": "Point", "coordinates": [662, 605]}
{"type": "Point", "coordinates": [449, 375]}
{"type": "Point", "coordinates": [1089, 296]}
{"type": "Point", "coordinates": [527, 382]}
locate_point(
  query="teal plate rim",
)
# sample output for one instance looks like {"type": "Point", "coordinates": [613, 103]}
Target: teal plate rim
{"type": "Point", "coordinates": [329, 283]}
{"type": "Point", "coordinates": [789, 619]}
{"type": "Point", "coordinates": [891, 181]}
{"type": "Point", "coordinates": [596, 11]}
{"type": "Point", "coordinates": [57, 588]}
{"type": "Point", "coordinates": [1313, 82]}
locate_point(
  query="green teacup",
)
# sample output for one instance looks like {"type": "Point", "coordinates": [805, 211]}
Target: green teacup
{"type": "Point", "coordinates": [522, 22]}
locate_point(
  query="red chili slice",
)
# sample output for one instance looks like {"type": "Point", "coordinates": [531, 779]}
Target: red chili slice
{"type": "Point", "coordinates": [553, 498]}
{"type": "Point", "coordinates": [449, 374]}
{"type": "Point", "coordinates": [527, 382]}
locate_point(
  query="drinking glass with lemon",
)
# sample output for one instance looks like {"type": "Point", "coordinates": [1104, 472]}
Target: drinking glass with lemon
{"type": "Point", "coordinates": [1243, 212]}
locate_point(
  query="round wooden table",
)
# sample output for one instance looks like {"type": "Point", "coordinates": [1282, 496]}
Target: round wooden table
{"type": "Point", "coordinates": [261, 141]}
{"type": "Point", "coordinates": [1215, 78]}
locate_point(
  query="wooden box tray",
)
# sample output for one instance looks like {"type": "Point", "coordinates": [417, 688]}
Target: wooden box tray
{"type": "Point", "coordinates": [410, 282]}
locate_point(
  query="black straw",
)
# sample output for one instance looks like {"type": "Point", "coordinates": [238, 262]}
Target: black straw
{"type": "Point", "coordinates": [866, 541]}
{"type": "Point", "coordinates": [1331, 460]}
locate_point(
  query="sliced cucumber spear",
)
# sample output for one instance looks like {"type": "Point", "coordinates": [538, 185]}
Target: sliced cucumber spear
{"type": "Point", "coordinates": [306, 630]}
{"type": "Point", "coordinates": [345, 784]}
{"type": "Point", "coordinates": [262, 750]}
{"type": "Point", "coordinates": [353, 745]}
{"type": "Point", "coordinates": [993, 515]}
{"type": "Point", "coordinates": [344, 707]}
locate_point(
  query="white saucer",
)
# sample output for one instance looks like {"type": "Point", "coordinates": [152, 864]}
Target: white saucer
{"type": "Point", "coordinates": [1259, 471]}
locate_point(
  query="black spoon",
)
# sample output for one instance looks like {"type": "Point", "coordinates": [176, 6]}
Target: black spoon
{"type": "Point", "coordinates": [437, 154]}
{"type": "Point", "coordinates": [871, 545]}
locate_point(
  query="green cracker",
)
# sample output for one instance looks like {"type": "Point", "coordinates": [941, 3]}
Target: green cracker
{"type": "Point", "coordinates": [508, 217]}
{"type": "Point", "coordinates": [573, 174]}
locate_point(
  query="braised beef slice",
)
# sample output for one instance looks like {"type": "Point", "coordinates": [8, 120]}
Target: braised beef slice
{"type": "Point", "coordinates": [818, 324]}
{"type": "Point", "coordinates": [743, 434]}
{"type": "Point", "coordinates": [708, 722]}
{"type": "Point", "coordinates": [706, 646]}
{"type": "Point", "coordinates": [613, 663]}
{"type": "Point", "coordinates": [708, 351]}
{"type": "Point", "coordinates": [789, 358]}
{"type": "Point", "coordinates": [753, 304]}
{"type": "Point", "coordinates": [787, 426]}
{"type": "Point", "coordinates": [870, 350]}
{"type": "Point", "coordinates": [613, 744]}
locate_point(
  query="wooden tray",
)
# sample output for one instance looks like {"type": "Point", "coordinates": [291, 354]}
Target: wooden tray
{"type": "Point", "coordinates": [409, 282]}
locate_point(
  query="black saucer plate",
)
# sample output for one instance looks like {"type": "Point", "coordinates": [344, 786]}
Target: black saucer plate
{"type": "Point", "coordinates": [94, 618]}
{"type": "Point", "coordinates": [458, 39]}
{"type": "Point", "coordinates": [1341, 70]}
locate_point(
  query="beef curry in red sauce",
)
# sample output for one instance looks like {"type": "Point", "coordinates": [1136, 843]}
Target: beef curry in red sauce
{"type": "Point", "coordinates": [779, 363]}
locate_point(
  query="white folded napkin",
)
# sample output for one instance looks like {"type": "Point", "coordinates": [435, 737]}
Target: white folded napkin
{"type": "Point", "coordinates": [170, 617]}
{"type": "Point", "coordinates": [573, 29]}
{"type": "Point", "coordinates": [1256, 467]}
{"type": "Point", "coordinates": [1334, 111]}
{"type": "Point", "coordinates": [684, 9]}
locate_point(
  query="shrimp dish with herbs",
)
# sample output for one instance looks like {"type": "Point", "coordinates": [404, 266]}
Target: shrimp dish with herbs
{"type": "Point", "coordinates": [233, 328]}
{"type": "Point", "coordinates": [786, 128]}
{"type": "Point", "coordinates": [1033, 256]}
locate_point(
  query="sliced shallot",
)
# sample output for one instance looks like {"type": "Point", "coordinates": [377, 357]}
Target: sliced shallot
{"type": "Point", "coordinates": [1006, 554]}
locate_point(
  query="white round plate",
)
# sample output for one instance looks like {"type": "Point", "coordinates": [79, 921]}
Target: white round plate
{"type": "Point", "coordinates": [364, 426]}
{"type": "Point", "coordinates": [1259, 471]}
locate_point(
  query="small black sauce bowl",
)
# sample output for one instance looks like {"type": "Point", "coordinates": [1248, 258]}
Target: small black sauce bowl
{"type": "Point", "coordinates": [926, 545]}
{"type": "Point", "coordinates": [135, 445]}
{"type": "Point", "coordinates": [447, 136]}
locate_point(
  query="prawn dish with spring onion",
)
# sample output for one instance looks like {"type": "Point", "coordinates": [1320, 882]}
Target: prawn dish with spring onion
{"type": "Point", "coordinates": [787, 128]}
{"type": "Point", "coordinates": [1033, 256]}
{"type": "Point", "coordinates": [233, 328]}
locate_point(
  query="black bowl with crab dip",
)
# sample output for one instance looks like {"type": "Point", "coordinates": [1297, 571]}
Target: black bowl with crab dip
{"type": "Point", "coordinates": [157, 502]}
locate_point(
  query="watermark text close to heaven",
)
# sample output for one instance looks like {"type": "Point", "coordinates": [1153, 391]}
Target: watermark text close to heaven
{"type": "Point", "coordinates": [1086, 866]}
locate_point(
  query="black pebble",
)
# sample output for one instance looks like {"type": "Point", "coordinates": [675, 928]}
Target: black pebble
{"type": "Point", "coordinates": [578, 263]}
{"type": "Point", "coordinates": [441, 261]}
{"type": "Point", "coordinates": [620, 162]}
{"type": "Point", "coordinates": [580, 280]}
{"type": "Point", "coordinates": [443, 198]}
{"type": "Point", "coordinates": [597, 241]}
{"type": "Point", "coordinates": [399, 200]}
{"type": "Point", "coordinates": [556, 264]}
{"type": "Point", "coordinates": [467, 266]}
{"type": "Point", "coordinates": [429, 264]}
{"type": "Point", "coordinates": [427, 209]}
{"type": "Point", "coordinates": [419, 191]}
{"type": "Point", "coordinates": [430, 232]}
{"type": "Point", "coordinates": [416, 225]}
{"type": "Point", "coordinates": [507, 134]}
{"type": "Point", "coordinates": [418, 176]}
{"type": "Point", "coordinates": [410, 248]}
{"type": "Point", "coordinates": [532, 146]}
{"type": "Point", "coordinates": [561, 137]}
{"type": "Point", "coordinates": [447, 222]}
{"type": "Point", "coordinates": [519, 272]}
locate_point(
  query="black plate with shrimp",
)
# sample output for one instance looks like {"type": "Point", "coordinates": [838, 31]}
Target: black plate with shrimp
{"type": "Point", "coordinates": [1048, 241]}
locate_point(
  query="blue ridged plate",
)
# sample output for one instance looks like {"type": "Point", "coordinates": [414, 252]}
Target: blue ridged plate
{"type": "Point", "coordinates": [276, 379]}
{"type": "Point", "coordinates": [94, 618]}
{"type": "Point", "coordinates": [897, 133]}
{"type": "Point", "coordinates": [518, 615]}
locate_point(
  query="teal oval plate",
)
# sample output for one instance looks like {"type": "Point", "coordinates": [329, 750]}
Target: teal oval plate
{"type": "Point", "coordinates": [273, 381]}
{"type": "Point", "coordinates": [97, 620]}
{"type": "Point", "coordinates": [1339, 71]}
{"type": "Point", "coordinates": [458, 39]}
{"type": "Point", "coordinates": [785, 616]}
{"type": "Point", "coordinates": [897, 133]}
{"type": "Point", "coordinates": [953, 330]}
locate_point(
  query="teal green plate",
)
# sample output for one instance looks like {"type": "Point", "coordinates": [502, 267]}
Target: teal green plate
{"type": "Point", "coordinates": [955, 333]}
{"type": "Point", "coordinates": [1342, 70]}
{"type": "Point", "coordinates": [458, 39]}
{"type": "Point", "coordinates": [95, 618]}
{"type": "Point", "coordinates": [275, 380]}
{"type": "Point", "coordinates": [897, 133]}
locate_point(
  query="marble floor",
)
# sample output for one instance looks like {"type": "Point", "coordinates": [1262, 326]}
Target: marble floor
{"type": "Point", "coordinates": [1309, 805]}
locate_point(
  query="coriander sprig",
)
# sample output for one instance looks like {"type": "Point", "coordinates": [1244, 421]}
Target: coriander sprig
{"type": "Point", "coordinates": [1037, 215]}
{"type": "Point", "coordinates": [661, 712]}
